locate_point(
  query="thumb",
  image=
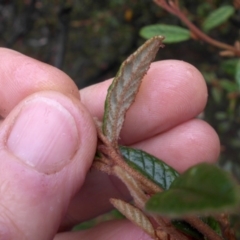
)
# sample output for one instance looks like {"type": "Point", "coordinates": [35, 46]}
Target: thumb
{"type": "Point", "coordinates": [47, 144]}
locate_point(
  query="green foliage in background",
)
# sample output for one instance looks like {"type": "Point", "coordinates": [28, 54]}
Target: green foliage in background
{"type": "Point", "coordinates": [217, 17]}
{"type": "Point", "coordinates": [172, 34]}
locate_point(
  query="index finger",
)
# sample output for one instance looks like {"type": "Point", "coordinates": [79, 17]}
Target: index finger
{"type": "Point", "coordinates": [172, 92]}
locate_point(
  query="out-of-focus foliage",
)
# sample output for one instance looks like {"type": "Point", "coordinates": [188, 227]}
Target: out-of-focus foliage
{"type": "Point", "coordinates": [88, 39]}
{"type": "Point", "coordinates": [217, 17]}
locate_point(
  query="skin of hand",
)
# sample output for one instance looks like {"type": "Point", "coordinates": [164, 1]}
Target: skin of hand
{"type": "Point", "coordinates": [48, 141]}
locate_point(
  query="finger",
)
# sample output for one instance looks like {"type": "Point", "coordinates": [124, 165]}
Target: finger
{"type": "Point", "coordinates": [185, 145]}
{"type": "Point", "coordinates": [171, 92]}
{"type": "Point", "coordinates": [47, 144]}
{"type": "Point", "coordinates": [21, 76]}
{"type": "Point", "coordinates": [181, 147]}
{"type": "Point", "coordinates": [93, 198]}
{"type": "Point", "coordinates": [116, 230]}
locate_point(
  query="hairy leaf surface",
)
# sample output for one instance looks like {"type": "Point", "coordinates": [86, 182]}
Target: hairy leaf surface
{"type": "Point", "coordinates": [125, 85]}
{"type": "Point", "coordinates": [202, 190]}
{"type": "Point", "coordinates": [150, 166]}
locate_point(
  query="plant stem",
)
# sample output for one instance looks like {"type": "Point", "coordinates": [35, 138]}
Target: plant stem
{"type": "Point", "coordinates": [203, 228]}
{"type": "Point", "coordinates": [116, 158]}
{"type": "Point", "coordinates": [175, 10]}
{"type": "Point", "coordinates": [140, 199]}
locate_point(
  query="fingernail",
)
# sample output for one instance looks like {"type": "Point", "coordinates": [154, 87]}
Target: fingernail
{"type": "Point", "coordinates": [44, 135]}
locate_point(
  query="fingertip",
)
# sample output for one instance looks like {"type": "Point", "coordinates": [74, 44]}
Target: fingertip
{"type": "Point", "coordinates": [179, 77]}
{"type": "Point", "coordinates": [186, 145]}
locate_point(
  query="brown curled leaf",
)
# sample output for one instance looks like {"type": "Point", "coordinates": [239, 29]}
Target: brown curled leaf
{"type": "Point", "coordinates": [123, 90]}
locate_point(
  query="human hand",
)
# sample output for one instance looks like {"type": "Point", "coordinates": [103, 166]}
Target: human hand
{"type": "Point", "coordinates": [48, 141]}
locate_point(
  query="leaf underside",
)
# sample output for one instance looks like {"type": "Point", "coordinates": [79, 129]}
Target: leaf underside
{"type": "Point", "coordinates": [203, 189]}
{"type": "Point", "coordinates": [150, 166]}
{"type": "Point", "coordinates": [123, 90]}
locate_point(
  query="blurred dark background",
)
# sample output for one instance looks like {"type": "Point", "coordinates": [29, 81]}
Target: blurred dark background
{"type": "Point", "coordinates": [89, 39]}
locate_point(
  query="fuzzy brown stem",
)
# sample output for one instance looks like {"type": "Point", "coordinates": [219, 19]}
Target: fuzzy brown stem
{"type": "Point", "coordinates": [136, 175]}
{"type": "Point", "coordinates": [115, 156]}
{"type": "Point", "coordinates": [134, 188]}
{"type": "Point", "coordinates": [174, 9]}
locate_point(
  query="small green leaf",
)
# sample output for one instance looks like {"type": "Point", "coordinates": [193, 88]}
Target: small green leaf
{"type": "Point", "coordinates": [237, 74]}
{"type": "Point", "coordinates": [201, 190]}
{"type": "Point", "coordinates": [218, 17]}
{"type": "Point", "coordinates": [125, 85]}
{"type": "Point", "coordinates": [150, 166]}
{"type": "Point", "coordinates": [172, 34]}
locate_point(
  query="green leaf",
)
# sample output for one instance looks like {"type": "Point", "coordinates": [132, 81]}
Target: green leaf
{"type": "Point", "coordinates": [237, 74]}
{"type": "Point", "coordinates": [201, 190]}
{"type": "Point", "coordinates": [150, 166]}
{"type": "Point", "coordinates": [125, 85]}
{"type": "Point", "coordinates": [218, 17]}
{"type": "Point", "coordinates": [229, 86]}
{"type": "Point", "coordinates": [172, 34]}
